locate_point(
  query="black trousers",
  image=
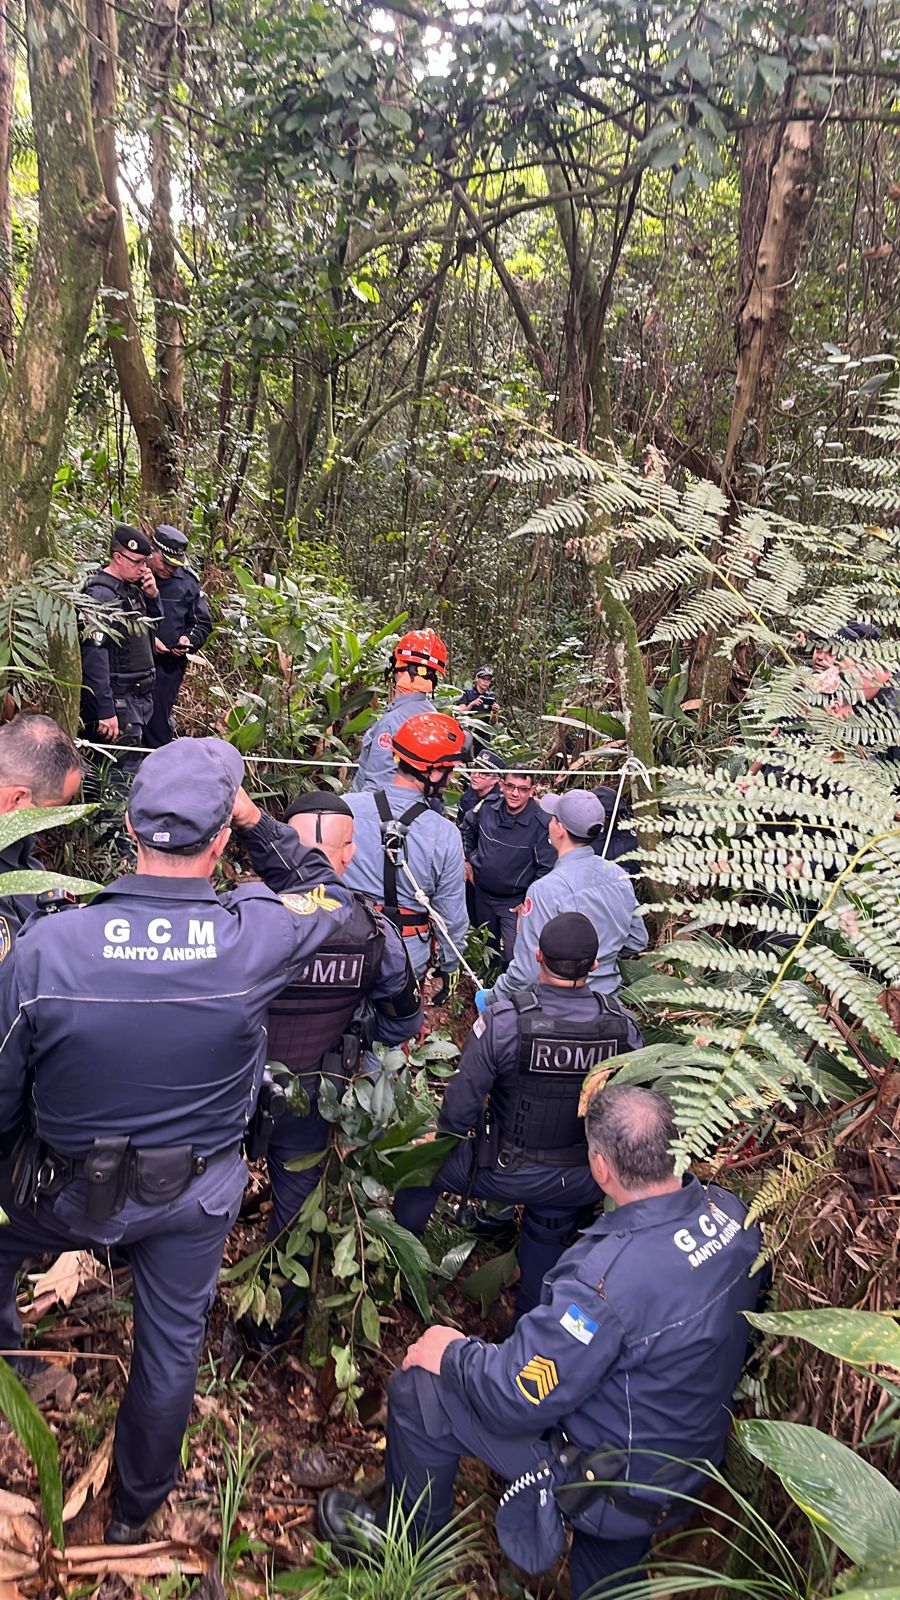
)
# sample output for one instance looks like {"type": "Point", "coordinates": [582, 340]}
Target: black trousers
{"type": "Point", "coordinates": [170, 671]}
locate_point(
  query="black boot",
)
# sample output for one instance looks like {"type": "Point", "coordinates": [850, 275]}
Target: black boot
{"type": "Point", "coordinates": [349, 1524]}
{"type": "Point", "coordinates": [121, 1531]}
{"type": "Point", "coordinates": [26, 1367]}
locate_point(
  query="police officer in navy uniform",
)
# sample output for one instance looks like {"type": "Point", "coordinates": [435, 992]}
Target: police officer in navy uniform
{"type": "Point", "coordinates": [631, 1359]}
{"type": "Point", "coordinates": [528, 1057]}
{"type": "Point", "coordinates": [507, 847]}
{"type": "Point", "coordinates": [133, 1042]}
{"type": "Point", "coordinates": [186, 625]}
{"type": "Point", "coordinates": [417, 661]}
{"type": "Point", "coordinates": [40, 767]}
{"type": "Point", "coordinates": [315, 1026]}
{"type": "Point", "coordinates": [118, 664]}
{"type": "Point", "coordinates": [484, 783]}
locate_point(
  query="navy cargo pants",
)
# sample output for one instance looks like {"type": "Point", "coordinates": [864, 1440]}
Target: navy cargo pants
{"type": "Point", "coordinates": [170, 671]}
{"type": "Point", "coordinates": [429, 1428]}
{"type": "Point", "coordinates": [175, 1253]}
{"type": "Point", "coordinates": [557, 1201]}
{"type": "Point", "coordinates": [502, 922]}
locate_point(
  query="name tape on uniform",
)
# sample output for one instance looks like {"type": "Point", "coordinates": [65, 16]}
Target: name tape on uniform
{"type": "Point", "coordinates": [570, 1055]}
{"type": "Point", "coordinates": [123, 945]}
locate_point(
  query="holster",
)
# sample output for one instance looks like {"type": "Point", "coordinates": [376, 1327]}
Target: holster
{"type": "Point", "coordinates": [488, 1142]}
{"type": "Point", "coordinates": [341, 1064]}
{"type": "Point", "coordinates": [271, 1106]}
{"type": "Point", "coordinates": [106, 1175]}
{"type": "Point", "coordinates": [155, 1175]}
{"type": "Point", "coordinates": [584, 1505]}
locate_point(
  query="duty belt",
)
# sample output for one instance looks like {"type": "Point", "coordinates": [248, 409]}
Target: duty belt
{"type": "Point", "coordinates": [113, 1171]}
{"type": "Point", "coordinates": [132, 683]}
{"type": "Point", "coordinates": [406, 921]}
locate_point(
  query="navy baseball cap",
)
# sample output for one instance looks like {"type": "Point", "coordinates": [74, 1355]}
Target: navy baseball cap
{"type": "Point", "coordinates": [489, 761]}
{"type": "Point", "coordinates": [131, 539]}
{"type": "Point", "coordinates": [183, 793]}
{"type": "Point", "coordinates": [172, 544]}
{"type": "Point", "coordinates": [569, 937]}
{"type": "Point", "coordinates": [579, 812]}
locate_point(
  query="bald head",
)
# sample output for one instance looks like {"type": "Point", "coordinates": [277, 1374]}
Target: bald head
{"type": "Point", "coordinates": [328, 831]}
{"type": "Point", "coordinates": [630, 1133]}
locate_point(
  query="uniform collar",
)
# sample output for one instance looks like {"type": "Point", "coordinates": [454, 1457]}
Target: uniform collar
{"type": "Point", "coordinates": [659, 1209]}
{"type": "Point", "coordinates": [16, 857]}
{"type": "Point", "coordinates": [576, 855]}
{"type": "Point", "coordinates": [523, 817]}
{"type": "Point", "coordinates": [143, 886]}
{"type": "Point", "coordinates": [408, 697]}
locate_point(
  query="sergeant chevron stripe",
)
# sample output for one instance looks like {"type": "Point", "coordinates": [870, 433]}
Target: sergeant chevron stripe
{"type": "Point", "coordinates": [540, 1371]}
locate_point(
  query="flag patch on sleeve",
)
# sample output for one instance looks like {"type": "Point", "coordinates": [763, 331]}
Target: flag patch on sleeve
{"type": "Point", "coordinates": [579, 1325]}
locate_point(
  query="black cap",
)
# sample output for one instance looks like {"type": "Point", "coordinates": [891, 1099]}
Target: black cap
{"type": "Point", "coordinates": [183, 793]}
{"type": "Point", "coordinates": [172, 544]}
{"type": "Point", "coordinates": [489, 761]}
{"type": "Point", "coordinates": [569, 937]}
{"type": "Point", "coordinates": [855, 630]}
{"type": "Point", "coordinates": [317, 802]}
{"type": "Point", "coordinates": [131, 539]}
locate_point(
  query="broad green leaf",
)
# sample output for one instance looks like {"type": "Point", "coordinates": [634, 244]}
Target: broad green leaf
{"type": "Point", "coordinates": [875, 1577]}
{"type": "Point", "coordinates": [418, 1166]}
{"type": "Point", "coordinates": [862, 1337]}
{"type": "Point", "coordinates": [26, 1421]}
{"type": "Point", "coordinates": [409, 1253]}
{"type": "Point", "coordinates": [486, 1281]}
{"type": "Point", "coordinates": [370, 1324]}
{"type": "Point", "coordinates": [303, 1163]}
{"type": "Point", "coordinates": [851, 1502]}
{"type": "Point", "coordinates": [16, 825]}
{"type": "Point", "coordinates": [345, 1255]}
{"type": "Point", "coordinates": [39, 882]}
{"type": "Point", "coordinates": [456, 1257]}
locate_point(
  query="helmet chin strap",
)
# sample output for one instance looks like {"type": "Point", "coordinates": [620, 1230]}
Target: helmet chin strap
{"type": "Point", "coordinates": [435, 786]}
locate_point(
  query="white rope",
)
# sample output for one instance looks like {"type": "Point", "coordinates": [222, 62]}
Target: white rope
{"type": "Point", "coordinates": [436, 918]}
{"type": "Point", "coordinates": [632, 765]}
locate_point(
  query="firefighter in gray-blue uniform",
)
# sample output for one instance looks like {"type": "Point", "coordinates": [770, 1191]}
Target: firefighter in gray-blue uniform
{"type": "Point", "coordinates": [133, 1047]}
{"type": "Point", "coordinates": [417, 661]}
{"type": "Point", "coordinates": [118, 665]}
{"type": "Point", "coordinates": [631, 1359]}
{"type": "Point", "coordinates": [359, 986]}
{"type": "Point", "coordinates": [580, 881]}
{"type": "Point", "coordinates": [396, 824]}
{"type": "Point", "coordinates": [186, 625]}
{"type": "Point", "coordinates": [527, 1058]}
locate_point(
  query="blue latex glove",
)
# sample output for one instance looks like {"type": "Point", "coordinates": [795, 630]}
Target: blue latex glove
{"type": "Point", "coordinates": [483, 998]}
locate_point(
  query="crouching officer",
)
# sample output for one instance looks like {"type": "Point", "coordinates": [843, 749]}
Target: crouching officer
{"type": "Point", "coordinates": [359, 986]}
{"type": "Point", "coordinates": [118, 662]}
{"type": "Point", "coordinates": [528, 1056]}
{"type": "Point", "coordinates": [630, 1360]}
{"type": "Point", "coordinates": [135, 1032]}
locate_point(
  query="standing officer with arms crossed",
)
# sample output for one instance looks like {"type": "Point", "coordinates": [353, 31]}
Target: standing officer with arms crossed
{"type": "Point", "coordinates": [580, 881]}
{"type": "Point", "coordinates": [186, 625]}
{"type": "Point", "coordinates": [417, 661]}
{"type": "Point", "coordinates": [313, 1027]}
{"type": "Point", "coordinates": [507, 847]}
{"type": "Point", "coordinates": [396, 825]}
{"type": "Point", "coordinates": [133, 1045]}
{"type": "Point", "coordinates": [631, 1357]}
{"type": "Point", "coordinates": [528, 1057]}
{"type": "Point", "coordinates": [118, 664]}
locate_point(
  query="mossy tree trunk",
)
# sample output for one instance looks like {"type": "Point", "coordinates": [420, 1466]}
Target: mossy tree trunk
{"type": "Point", "coordinates": [74, 222]}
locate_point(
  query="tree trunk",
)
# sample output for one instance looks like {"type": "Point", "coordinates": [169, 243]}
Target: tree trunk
{"type": "Point", "coordinates": [166, 281]}
{"type": "Point", "coordinates": [160, 476]}
{"type": "Point", "coordinates": [74, 222]}
{"type": "Point", "coordinates": [7, 91]}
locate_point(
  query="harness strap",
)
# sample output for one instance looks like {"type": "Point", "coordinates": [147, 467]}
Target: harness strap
{"type": "Point", "coordinates": [398, 827]}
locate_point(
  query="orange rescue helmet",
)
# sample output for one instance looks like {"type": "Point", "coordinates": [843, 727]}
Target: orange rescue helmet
{"type": "Point", "coordinates": [429, 740]}
{"type": "Point", "coordinates": [422, 652]}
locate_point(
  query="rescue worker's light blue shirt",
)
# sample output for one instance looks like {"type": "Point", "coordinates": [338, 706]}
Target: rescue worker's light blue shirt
{"type": "Point", "coordinates": [376, 757]}
{"type": "Point", "coordinates": [435, 855]}
{"type": "Point", "coordinates": [580, 881]}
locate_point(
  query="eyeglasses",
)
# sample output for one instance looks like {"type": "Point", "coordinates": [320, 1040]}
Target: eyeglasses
{"type": "Point", "coordinates": [516, 788]}
{"type": "Point", "coordinates": [133, 561]}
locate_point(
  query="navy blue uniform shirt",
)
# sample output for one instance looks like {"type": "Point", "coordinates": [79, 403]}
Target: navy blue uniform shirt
{"type": "Point", "coordinates": [16, 908]}
{"type": "Point", "coordinates": [275, 852]}
{"type": "Point", "coordinates": [638, 1342]}
{"type": "Point", "coordinates": [469, 799]}
{"type": "Point", "coordinates": [185, 610]}
{"type": "Point", "coordinates": [98, 693]}
{"type": "Point", "coordinates": [508, 850]}
{"type": "Point", "coordinates": [144, 1013]}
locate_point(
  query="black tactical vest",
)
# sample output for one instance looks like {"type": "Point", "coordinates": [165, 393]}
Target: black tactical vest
{"type": "Point", "coordinates": [131, 657]}
{"type": "Point", "coordinates": [310, 1016]}
{"type": "Point", "coordinates": [536, 1110]}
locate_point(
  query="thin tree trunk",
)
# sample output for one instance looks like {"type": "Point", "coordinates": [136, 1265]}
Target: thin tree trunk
{"type": "Point", "coordinates": [165, 279]}
{"type": "Point", "coordinates": [7, 91]}
{"type": "Point", "coordinates": [74, 222]}
{"type": "Point", "coordinates": [159, 464]}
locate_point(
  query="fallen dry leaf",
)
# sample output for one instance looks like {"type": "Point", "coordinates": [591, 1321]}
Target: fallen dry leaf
{"type": "Point", "coordinates": [91, 1480]}
{"type": "Point", "coordinates": [63, 1280]}
{"type": "Point", "coordinates": [20, 1533]}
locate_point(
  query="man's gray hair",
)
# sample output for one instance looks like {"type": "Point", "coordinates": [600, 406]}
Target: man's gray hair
{"type": "Point", "coordinates": [633, 1129]}
{"type": "Point", "coordinates": [36, 753]}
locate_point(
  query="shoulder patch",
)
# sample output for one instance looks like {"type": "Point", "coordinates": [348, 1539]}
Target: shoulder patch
{"type": "Point", "coordinates": [478, 1027]}
{"type": "Point", "coordinates": [537, 1379]}
{"type": "Point", "coordinates": [5, 939]}
{"type": "Point", "coordinates": [579, 1324]}
{"type": "Point", "coordinates": [304, 905]}
{"type": "Point", "coordinates": [385, 741]}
